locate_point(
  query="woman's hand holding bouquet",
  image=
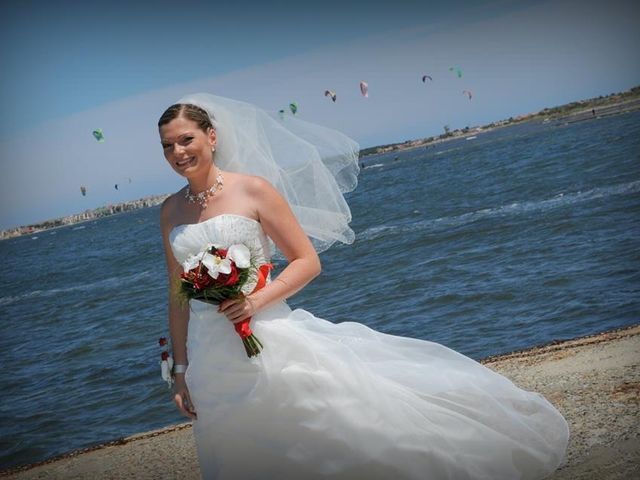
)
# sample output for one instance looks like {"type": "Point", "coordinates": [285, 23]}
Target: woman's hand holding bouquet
{"type": "Point", "coordinates": [225, 276]}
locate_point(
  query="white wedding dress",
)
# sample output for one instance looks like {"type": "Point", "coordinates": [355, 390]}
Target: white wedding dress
{"type": "Point", "coordinates": [344, 401]}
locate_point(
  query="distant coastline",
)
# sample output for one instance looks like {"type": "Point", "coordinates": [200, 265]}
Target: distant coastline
{"type": "Point", "coordinates": [85, 216]}
{"type": "Point", "coordinates": [599, 107]}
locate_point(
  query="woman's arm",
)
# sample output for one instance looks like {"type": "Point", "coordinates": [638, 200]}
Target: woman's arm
{"type": "Point", "coordinates": [178, 313]}
{"type": "Point", "coordinates": [281, 225]}
{"type": "Point", "coordinates": [178, 316]}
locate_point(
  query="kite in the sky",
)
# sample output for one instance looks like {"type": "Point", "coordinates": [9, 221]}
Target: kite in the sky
{"type": "Point", "coordinates": [83, 190]}
{"type": "Point", "coordinates": [457, 70]}
{"type": "Point", "coordinates": [364, 88]}
{"type": "Point", "coordinates": [424, 78]}
{"type": "Point", "coordinates": [116, 186]}
{"type": "Point", "coordinates": [468, 93]}
{"type": "Point", "coordinates": [281, 114]}
{"type": "Point", "coordinates": [99, 136]}
{"type": "Point", "coordinates": [293, 106]}
{"type": "Point", "coordinates": [330, 94]}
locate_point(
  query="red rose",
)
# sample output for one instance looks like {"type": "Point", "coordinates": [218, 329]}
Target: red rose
{"type": "Point", "coordinates": [202, 280]}
{"type": "Point", "coordinates": [162, 341]}
{"type": "Point", "coordinates": [229, 279]}
{"type": "Point", "coordinates": [164, 355]}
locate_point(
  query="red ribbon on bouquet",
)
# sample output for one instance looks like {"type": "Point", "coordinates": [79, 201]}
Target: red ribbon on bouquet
{"type": "Point", "coordinates": [251, 343]}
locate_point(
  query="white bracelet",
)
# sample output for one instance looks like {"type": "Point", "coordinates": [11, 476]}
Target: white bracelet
{"type": "Point", "coordinates": [177, 368]}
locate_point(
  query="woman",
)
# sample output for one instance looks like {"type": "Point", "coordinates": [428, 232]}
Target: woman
{"type": "Point", "coordinates": [321, 400]}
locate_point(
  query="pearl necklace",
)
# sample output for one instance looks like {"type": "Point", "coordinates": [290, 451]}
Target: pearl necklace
{"type": "Point", "coordinates": [204, 196]}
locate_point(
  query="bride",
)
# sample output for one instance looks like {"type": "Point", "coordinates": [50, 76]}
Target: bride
{"type": "Point", "coordinates": [321, 400]}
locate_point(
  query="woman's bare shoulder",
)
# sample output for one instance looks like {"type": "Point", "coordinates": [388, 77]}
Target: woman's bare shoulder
{"type": "Point", "coordinates": [250, 184]}
{"type": "Point", "coordinates": [169, 210]}
{"type": "Point", "coordinates": [240, 178]}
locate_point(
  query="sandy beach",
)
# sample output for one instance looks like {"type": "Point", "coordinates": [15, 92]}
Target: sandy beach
{"type": "Point", "coordinates": [594, 381]}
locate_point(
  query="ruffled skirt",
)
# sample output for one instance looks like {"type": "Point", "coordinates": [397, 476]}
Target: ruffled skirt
{"type": "Point", "coordinates": [344, 401]}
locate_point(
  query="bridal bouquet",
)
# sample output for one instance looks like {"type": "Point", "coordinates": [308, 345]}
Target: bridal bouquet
{"type": "Point", "coordinates": [217, 274]}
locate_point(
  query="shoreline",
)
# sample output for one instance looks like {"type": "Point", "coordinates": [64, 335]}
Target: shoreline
{"type": "Point", "coordinates": [594, 380]}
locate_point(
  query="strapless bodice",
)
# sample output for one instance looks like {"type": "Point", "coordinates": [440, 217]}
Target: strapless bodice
{"type": "Point", "coordinates": [222, 230]}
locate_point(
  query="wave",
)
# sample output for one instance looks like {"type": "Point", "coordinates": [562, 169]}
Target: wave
{"type": "Point", "coordinates": [375, 165]}
{"type": "Point", "coordinates": [516, 208]}
{"type": "Point", "coordinates": [117, 281]}
{"type": "Point", "coordinates": [453, 149]}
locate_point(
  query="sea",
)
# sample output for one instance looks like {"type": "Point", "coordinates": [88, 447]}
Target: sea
{"type": "Point", "coordinates": [518, 237]}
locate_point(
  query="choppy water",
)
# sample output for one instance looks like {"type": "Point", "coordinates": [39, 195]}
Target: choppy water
{"type": "Point", "coordinates": [521, 236]}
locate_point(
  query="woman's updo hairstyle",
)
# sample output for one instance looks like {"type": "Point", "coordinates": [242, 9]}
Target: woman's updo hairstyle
{"type": "Point", "coordinates": [188, 111]}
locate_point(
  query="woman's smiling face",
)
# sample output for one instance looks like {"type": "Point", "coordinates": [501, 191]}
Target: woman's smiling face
{"type": "Point", "coordinates": [186, 147]}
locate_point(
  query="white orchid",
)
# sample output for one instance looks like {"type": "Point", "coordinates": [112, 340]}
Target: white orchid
{"type": "Point", "coordinates": [240, 254]}
{"type": "Point", "coordinates": [191, 262]}
{"type": "Point", "coordinates": [216, 265]}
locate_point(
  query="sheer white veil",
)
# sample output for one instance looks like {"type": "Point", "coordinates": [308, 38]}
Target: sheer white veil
{"type": "Point", "coordinates": [310, 165]}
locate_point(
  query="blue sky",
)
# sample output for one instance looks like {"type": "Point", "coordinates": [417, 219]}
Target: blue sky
{"type": "Point", "coordinates": [70, 67]}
